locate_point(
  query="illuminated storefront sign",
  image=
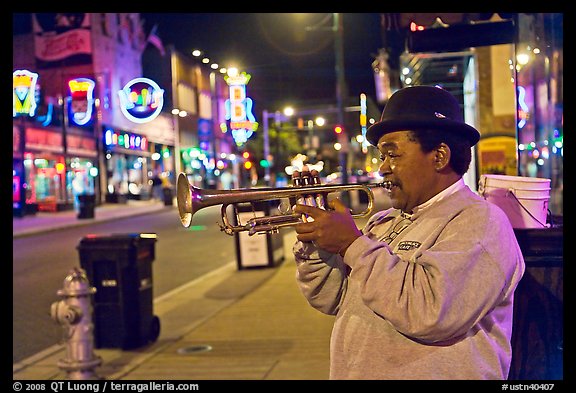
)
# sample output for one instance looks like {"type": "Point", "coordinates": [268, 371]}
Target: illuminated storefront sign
{"type": "Point", "coordinates": [126, 140]}
{"type": "Point", "coordinates": [239, 109]}
{"type": "Point", "coordinates": [141, 100]}
{"type": "Point", "coordinates": [81, 100]}
{"type": "Point", "coordinates": [24, 89]}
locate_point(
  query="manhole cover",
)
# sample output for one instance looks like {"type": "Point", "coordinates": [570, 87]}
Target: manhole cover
{"type": "Point", "coordinates": [194, 349]}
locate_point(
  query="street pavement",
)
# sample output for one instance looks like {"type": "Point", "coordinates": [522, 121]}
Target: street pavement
{"type": "Point", "coordinates": [231, 324]}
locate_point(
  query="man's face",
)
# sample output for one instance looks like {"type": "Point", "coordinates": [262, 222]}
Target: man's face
{"type": "Point", "coordinates": [410, 170]}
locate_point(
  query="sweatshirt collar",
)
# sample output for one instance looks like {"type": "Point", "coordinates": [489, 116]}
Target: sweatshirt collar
{"type": "Point", "coordinates": [458, 185]}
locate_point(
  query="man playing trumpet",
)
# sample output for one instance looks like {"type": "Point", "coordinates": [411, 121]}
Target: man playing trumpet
{"type": "Point", "coordinates": [426, 289]}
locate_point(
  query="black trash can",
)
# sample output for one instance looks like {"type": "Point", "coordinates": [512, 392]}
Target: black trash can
{"type": "Point", "coordinates": [168, 196]}
{"type": "Point", "coordinates": [119, 266]}
{"type": "Point", "coordinates": [86, 205]}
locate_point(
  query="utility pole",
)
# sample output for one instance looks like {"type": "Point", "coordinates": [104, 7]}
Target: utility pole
{"type": "Point", "coordinates": [341, 93]}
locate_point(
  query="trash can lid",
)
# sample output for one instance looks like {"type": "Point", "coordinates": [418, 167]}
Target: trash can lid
{"type": "Point", "coordinates": [116, 238]}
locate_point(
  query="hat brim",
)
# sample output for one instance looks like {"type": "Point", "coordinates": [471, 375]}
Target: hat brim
{"type": "Point", "coordinates": [375, 131]}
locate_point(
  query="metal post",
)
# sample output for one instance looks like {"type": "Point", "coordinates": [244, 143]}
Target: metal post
{"type": "Point", "coordinates": [22, 181]}
{"type": "Point", "coordinates": [214, 102]}
{"type": "Point", "coordinates": [277, 120]}
{"type": "Point", "coordinates": [65, 100]}
{"type": "Point", "coordinates": [174, 77]}
{"type": "Point", "coordinates": [266, 147]}
{"type": "Point", "coordinates": [102, 179]}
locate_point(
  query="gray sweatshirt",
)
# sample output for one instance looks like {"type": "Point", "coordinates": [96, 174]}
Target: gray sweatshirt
{"type": "Point", "coordinates": [434, 303]}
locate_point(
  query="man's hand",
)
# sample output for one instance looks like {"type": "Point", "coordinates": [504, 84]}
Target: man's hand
{"type": "Point", "coordinates": [332, 230]}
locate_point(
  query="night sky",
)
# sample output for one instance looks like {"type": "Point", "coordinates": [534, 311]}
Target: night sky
{"type": "Point", "coordinates": [287, 63]}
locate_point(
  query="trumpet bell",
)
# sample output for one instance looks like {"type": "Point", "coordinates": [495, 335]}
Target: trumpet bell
{"type": "Point", "coordinates": [184, 196]}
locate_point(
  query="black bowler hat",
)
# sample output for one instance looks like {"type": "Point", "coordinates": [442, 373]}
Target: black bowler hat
{"type": "Point", "coordinates": [422, 107]}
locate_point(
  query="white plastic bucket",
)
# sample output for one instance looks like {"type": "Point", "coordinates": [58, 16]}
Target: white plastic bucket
{"type": "Point", "coordinates": [523, 199]}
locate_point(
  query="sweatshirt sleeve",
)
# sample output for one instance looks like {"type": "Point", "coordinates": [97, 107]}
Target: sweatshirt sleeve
{"type": "Point", "coordinates": [321, 277]}
{"type": "Point", "coordinates": [460, 272]}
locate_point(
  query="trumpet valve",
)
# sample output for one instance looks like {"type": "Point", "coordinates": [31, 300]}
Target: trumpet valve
{"type": "Point", "coordinates": [284, 207]}
{"type": "Point", "coordinates": [225, 229]}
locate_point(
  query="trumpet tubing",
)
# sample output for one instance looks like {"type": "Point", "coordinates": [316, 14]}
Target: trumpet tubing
{"type": "Point", "coordinates": [191, 199]}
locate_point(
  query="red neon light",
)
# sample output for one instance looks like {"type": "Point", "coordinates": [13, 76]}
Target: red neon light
{"type": "Point", "coordinates": [415, 27]}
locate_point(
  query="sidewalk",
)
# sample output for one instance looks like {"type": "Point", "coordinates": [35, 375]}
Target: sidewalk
{"type": "Point", "coordinates": [42, 221]}
{"type": "Point", "coordinates": [250, 324]}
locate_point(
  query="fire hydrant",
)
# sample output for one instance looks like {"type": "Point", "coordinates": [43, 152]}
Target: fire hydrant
{"type": "Point", "coordinates": [74, 313]}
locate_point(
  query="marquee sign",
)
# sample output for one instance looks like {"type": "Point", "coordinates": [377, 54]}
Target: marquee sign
{"type": "Point", "coordinates": [141, 100]}
{"type": "Point", "coordinates": [239, 109]}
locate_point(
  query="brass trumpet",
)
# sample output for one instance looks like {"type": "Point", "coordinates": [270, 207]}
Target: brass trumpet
{"type": "Point", "coordinates": [190, 199]}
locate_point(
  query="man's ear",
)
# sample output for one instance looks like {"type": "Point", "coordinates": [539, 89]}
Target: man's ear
{"type": "Point", "coordinates": [441, 156]}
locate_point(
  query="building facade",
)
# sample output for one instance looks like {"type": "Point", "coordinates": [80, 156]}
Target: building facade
{"type": "Point", "coordinates": [507, 72]}
{"type": "Point", "coordinates": [91, 119]}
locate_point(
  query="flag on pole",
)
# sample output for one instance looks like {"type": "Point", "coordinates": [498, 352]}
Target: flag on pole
{"type": "Point", "coordinates": [155, 40]}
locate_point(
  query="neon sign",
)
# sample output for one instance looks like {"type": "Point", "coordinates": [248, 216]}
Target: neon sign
{"type": "Point", "coordinates": [141, 100]}
{"type": "Point", "coordinates": [363, 122]}
{"type": "Point", "coordinates": [523, 111]}
{"type": "Point", "coordinates": [81, 100]}
{"type": "Point", "coordinates": [23, 98]}
{"type": "Point", "coordinates": [239, 108]}
{"type": "Point", "coordinates": [126, 140]}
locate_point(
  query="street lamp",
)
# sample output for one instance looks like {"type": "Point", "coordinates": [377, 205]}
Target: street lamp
{"type": "Point", "coordinates": [278, 117]}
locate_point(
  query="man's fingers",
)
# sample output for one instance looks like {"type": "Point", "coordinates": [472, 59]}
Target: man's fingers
{"type": "Point", "coordinates": [308, 210]}
{"type": "Point", "coordinates": [305, 237]}
{"type": "Point", "coordinates": [304, 227]}
{"type": "Point", "coordinates": [338, 206]}
{"type": "Point", "coordinates": [300, 208]}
